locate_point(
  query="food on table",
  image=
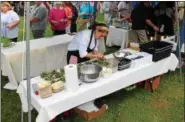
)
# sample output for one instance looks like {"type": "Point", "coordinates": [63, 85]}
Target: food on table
{"type": "Point", "coordinates": [106, 72]}
{"type": "Point", "coordinates": [45, 89]}
{"type": "Point", "coordinates": [53, 76]}
{"type": "Point", "coordinates": [43, 84]}
{"type": "Point", "coordinates": [57, 86]}
{"type": "Point", "coordinates": [43, 75]}
{"type": "Point", "coordinates": [102, 63]}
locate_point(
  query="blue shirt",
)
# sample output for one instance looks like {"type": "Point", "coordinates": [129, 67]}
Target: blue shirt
{"type": "Point", "coordinates": [85, 8]}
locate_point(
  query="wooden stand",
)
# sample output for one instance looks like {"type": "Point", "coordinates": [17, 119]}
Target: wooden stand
{"type": "Point", "coordinates": [91, 115]}
{"type": "Point", "coordinates": [150, 84]}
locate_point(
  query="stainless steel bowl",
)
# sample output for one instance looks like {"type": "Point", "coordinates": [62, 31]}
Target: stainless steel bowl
{"type": "Point", "coordinates": [89, 73]}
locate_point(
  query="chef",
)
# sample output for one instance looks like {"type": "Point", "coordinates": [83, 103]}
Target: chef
{"type": "Point", "coordinates": [84, 45]}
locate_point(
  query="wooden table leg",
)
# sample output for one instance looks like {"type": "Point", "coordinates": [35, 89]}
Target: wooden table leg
{"type": "Point", "coordinates": [152, 84]}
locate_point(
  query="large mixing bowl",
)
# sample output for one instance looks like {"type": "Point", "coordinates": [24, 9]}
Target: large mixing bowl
{"type": "Point", "coordinates": [89, 73]}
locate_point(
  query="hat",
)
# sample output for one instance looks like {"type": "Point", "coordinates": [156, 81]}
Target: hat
{"type": "Point", "coordinates": [99, 21]}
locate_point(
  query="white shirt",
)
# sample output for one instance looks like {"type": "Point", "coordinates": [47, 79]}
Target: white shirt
{"type": "Point", "coordinates": [81, 41]}
{"type": "Point", "coordinates": [124, 5]}
{"type": "Point", "coordinates": [7, 18]}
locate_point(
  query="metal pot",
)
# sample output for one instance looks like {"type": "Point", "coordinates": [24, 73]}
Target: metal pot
{"type": "Point", "coordinates": [89, 73]}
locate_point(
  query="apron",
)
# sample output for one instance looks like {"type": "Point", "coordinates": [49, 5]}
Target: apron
{"type": "Point", "coordinates": [77, 54]}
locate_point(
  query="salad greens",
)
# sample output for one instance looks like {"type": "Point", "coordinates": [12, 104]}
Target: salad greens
{"type": "Point", "coordinates": [53, 76]}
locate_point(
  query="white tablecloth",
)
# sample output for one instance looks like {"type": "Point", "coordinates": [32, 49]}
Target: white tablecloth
{"type": "Point", "coordinates": [46, 54]}
{"type": "Point", "coordinates": [171, 40]}
{"type": "Point", "coordinates": [117, 36]}
{"type": "Point", "coordinates": [50, 107]}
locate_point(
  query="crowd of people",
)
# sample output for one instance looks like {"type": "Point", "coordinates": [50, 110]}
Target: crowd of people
{"type": "Point", "coordinates": [149, 19]}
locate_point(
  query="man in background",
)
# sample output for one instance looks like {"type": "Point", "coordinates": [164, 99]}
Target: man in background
{"type": "Point", "coordinates": [38, 19]}
{"type": "Point", "coordinates": [140, 19]}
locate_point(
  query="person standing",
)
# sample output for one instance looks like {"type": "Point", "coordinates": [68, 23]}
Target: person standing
{"type": "Point", "coordinates": [68, 11]}
{"type": "Point", "coordinates": [38, 20]}
{"type": "Point", "coordinates": [165, 18]}
{"type": "Point", "coordinates": [109, 10]}
{"type": "Point", "coordinates": [85, 12]}
{"type": "Point", "coordinates": [151, 15]}
{"type": "Point", "coordinates": [125, 9]}
{"type": "Point", "coordinates": [9, 22]}
{"type": "Point", "coordinates": [58, 19]}
{"type": "Point", "coordinates": [73, 28]}
{"type": "Point", "coordinates": [140, 19]}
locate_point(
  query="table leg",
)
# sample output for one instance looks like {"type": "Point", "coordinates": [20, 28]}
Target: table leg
{"type": "Point", "coordinates": [152, 84]}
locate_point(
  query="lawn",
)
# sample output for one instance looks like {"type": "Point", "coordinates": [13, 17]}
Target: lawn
{"type": "Point", "coordinates": [166, 104]}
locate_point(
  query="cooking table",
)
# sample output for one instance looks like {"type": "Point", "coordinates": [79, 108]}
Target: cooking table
{"type": "Point", "coordinates": [46, 54]}
{"type": "Point", "coordinates": [171, 39]}
{"type": "Point", "coordinates": [59, 102]}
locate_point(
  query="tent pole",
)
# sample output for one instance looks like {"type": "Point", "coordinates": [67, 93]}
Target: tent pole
{"type": "Point", "coordinates": [28, 60]}
{"type": "Point", "coordinates": [178, 37]}
{"type": "Point", "coordinates": [0, 63]}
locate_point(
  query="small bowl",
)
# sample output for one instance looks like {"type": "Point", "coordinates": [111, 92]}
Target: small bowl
{"type": "Point", "coordinates": [121, 54]}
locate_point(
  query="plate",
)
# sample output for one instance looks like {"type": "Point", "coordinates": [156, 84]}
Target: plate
{"type": "Point", "coordinates": [121, 54]}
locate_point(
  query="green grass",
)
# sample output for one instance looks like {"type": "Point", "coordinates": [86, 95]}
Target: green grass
{"type": "Point", "coordinates": [166, 104]}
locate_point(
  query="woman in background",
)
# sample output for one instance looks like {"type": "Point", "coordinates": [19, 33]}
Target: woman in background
{"type": "Point", "coordinates": [68, 12]}
{"type": "Point", "coordinates": [9, 22]}
{"type": "Point", "coordinates": [85, 12]}
{"type": "Point", "coordinates": [73, 28]}
{"type": "Point", "coordinates": [58, 19]}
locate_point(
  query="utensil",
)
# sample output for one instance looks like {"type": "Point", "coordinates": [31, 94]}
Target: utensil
{"type": "Point", "coordinates": [89, 73]}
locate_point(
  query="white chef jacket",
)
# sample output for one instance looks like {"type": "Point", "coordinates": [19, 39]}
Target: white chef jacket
{"type": "Point", "coordinates": [81, 41]}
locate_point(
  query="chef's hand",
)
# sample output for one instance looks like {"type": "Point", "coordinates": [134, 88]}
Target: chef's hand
{"type": "Point", "coordinates": [95, 52]}
{"type": "Point", "coordinates": [100, 56]}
